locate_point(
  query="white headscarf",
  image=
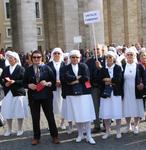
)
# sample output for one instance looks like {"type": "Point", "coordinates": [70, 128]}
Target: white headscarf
{"type": "Point", "coordinates": [113, 54]}
{"type": "Point", "coordinates": [57, 49]}
{"type": "Point", "coordinates": [132, 50]}
{"type": "Point", "coordinates": [66, 55]}
{"type": "Point", "coordinates": [75, 53]}
{"type": "Point", "coordinates": [13, 54]}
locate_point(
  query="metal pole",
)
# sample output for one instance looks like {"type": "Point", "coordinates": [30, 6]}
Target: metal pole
{"type": "Point", "coordinates": [94, 38]}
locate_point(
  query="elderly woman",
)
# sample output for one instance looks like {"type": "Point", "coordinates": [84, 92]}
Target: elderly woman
{"type": "Point", "coordinates": [80, 107]}
{"type": "Point", "coordinates": [56, 64]}
{"type": "Point", "coordinates": [111, 104]}
{"type": "Point", "coordinates": [14, 104]}
{"type": "Point", "coordinates": [133, 74]}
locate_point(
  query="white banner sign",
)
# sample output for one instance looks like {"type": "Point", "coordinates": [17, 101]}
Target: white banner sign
{"type": "Point", "coordinates": [78, 39]}
{"type": "Point", "coordinates": [91, 17]}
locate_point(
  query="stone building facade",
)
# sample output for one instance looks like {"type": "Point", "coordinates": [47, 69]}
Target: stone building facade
{"type": "Point", "coordinates": [50, 23]}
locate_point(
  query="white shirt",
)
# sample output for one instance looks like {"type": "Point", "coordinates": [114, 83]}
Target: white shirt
{"type": "Point", "coordinates": [75, 69]}
{"type": "Point", "coordinates": [57, 67]}
{"type": "Point", "coordinates": [12, 68]}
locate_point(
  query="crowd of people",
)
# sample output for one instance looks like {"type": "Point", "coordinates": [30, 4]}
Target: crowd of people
{"type": "Point", "coordinates": [78, 86]}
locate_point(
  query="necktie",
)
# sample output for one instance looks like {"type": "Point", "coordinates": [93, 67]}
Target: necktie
{"type": "Point", "coordinates": [37, 74]}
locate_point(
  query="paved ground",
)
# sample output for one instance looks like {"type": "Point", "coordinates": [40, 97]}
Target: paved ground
{"type": "Point", "coordinates": [128, 141]}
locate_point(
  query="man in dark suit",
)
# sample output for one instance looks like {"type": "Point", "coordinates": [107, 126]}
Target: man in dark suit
{"type": "Point", "coordinates": [40, 81]}
{"type": "Point", "coordinates": [94, 65]}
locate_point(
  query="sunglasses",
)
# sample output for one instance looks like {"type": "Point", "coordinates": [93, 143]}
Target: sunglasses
{"type": "Point", "coordinates": [56, 53]}
{"type": "Point", "coordinates": [37, 57]}
{"type": "Point", "coordinates": [110, 57]}
{"type": "Point", "coordinates": [74, 57]}
{"type": "Point", "coordinates": [129, 54]}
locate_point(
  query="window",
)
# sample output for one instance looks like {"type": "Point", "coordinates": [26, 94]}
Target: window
{"type": "Point", "coordinates": [8, 32]}
{"type": "Point", "coordinates": [7, 10]}
{"type": "Point", "coordinates": [37, 7]}
{"type": "Point", "coordinates": [40, 48]}
{"type": "Point", "coordinates": [39, 31]}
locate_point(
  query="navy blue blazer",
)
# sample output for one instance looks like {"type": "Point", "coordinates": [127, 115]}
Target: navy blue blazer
{"type": "Point", "coordinates": [45, 74]}
{"type": "Point", "coordinates": [68, 76]}
{"type": "Point", "coordinates": [50, 64]}
{"type": "Point", "coordinates": [91, 63]}
{"type": "Point", "coordinates": [116, 80]}
{"type": "Point", "coordinates": [17, 88]}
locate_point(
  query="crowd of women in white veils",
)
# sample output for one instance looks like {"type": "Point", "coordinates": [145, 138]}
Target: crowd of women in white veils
{"type": "Point", "coordinates": [124, 70]}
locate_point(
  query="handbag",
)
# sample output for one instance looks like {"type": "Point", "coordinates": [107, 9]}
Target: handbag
{"type": "Point", "coordinates": [77, 89]}
{"type": "Point", "coordinates": [107, 91]}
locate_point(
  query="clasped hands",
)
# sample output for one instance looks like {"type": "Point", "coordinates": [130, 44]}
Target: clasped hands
{"type": "Point", "coordinates": [107, 81]}
{"type": "Point", "coordinates": [33, 86]}
{"type": "Point", "coordinates": [76, 81]}
{"type": "Point", "coordinates": [9, 82]}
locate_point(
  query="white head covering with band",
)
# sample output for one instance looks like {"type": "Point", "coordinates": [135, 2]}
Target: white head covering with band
{"type": "Point", "coordinates": [75, 53]}
{"type": "Point", "coordinates": [132, 50]}
{"type": "Point", "coordinates": [111, 53]}
{"type": "Point", "coordinates": [59, 50]}
{"type": "Point", "coordinates": [12, 54]}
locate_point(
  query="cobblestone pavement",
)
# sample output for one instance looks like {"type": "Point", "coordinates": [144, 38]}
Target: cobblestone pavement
{"type": "Point", "coordinates": [128, 142]}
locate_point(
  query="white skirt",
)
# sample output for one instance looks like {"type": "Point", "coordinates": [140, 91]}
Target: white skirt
{"type": "Point", "coordinates": [57, 102]}
{"type": "Point", "coordinates": [111, 108]}
{"type": "Point", "coordinates": [78, 108]}
{"type": "Point", "coordinates": [14, 107]}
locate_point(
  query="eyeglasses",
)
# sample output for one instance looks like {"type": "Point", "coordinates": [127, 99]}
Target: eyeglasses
{"type": "Point", "coordinates": [65, 58]}
{"type": "Point", "coordinates": [129, 54]}
{"type": "Point", "coordinates": [110, 57]}
{"type": "Point", "coordinates": [37, 57]}
{"type": "Point", "coordinates": [74, 57]}
{"type": "Point", "coordinates": [56, 53]}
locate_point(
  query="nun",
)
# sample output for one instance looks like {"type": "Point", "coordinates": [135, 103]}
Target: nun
{"type": "Point", "coordinates": [79, 103]}
{"type": "Point", "coordinates": [133, 79]}
{"type": "Point", "coordinates": [110, 77]}
{"type": "Point", "coordinates": [14, 104]}
{"type": "Point", "coordinates": [56, 63]}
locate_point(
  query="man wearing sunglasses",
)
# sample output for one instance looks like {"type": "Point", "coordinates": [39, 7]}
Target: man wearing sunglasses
{"type": "Point", "coordinates": [39, 79]}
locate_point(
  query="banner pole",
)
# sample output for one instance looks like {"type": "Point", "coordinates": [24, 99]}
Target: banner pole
{"type": "Point", "coordinates": [94, 38]}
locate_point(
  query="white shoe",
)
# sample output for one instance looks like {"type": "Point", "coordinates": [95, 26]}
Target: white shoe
{"type": "Point", "coordinates": [19, 132]}
{"type": "Point", "coordinates": [105, 136]}
{"type": "Point", "coordinates": [79, 139]}
{"type": "Point", "coordinates": [63, 127]}
{"type": "Point", "coordinates": [70, 129]}
{"type": "Point", "coordinates": [128, 129]}
{"type": "Point", "coordinates": [136, 130]}
{"type": "Point", "coordinates": [119, 135]}
{"type": "Point", "coordinates": [8, 133]}
{"type": "Point", "coordinates": [91, 140]}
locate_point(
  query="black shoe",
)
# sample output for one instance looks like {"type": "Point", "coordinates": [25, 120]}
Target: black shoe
{"type": "Point", "coordinates": [96, 130]}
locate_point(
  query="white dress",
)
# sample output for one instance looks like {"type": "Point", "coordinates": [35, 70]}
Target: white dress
{"type": "Point", "coordinates": [57, 98]}
{"type": "Point", "coordinates": [111, 108]}
{"type": "Point", "coordinates": [132, 107]}
{"type": "Point", "coordinates": [78, 108]}
{"type": "Point", "coordinates": [14, 107]}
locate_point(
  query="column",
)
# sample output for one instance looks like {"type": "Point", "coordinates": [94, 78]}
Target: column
{"type": "Point", "coordinates": [23, 21]}
{"type": "Point", "coordinates": [70, 23]}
